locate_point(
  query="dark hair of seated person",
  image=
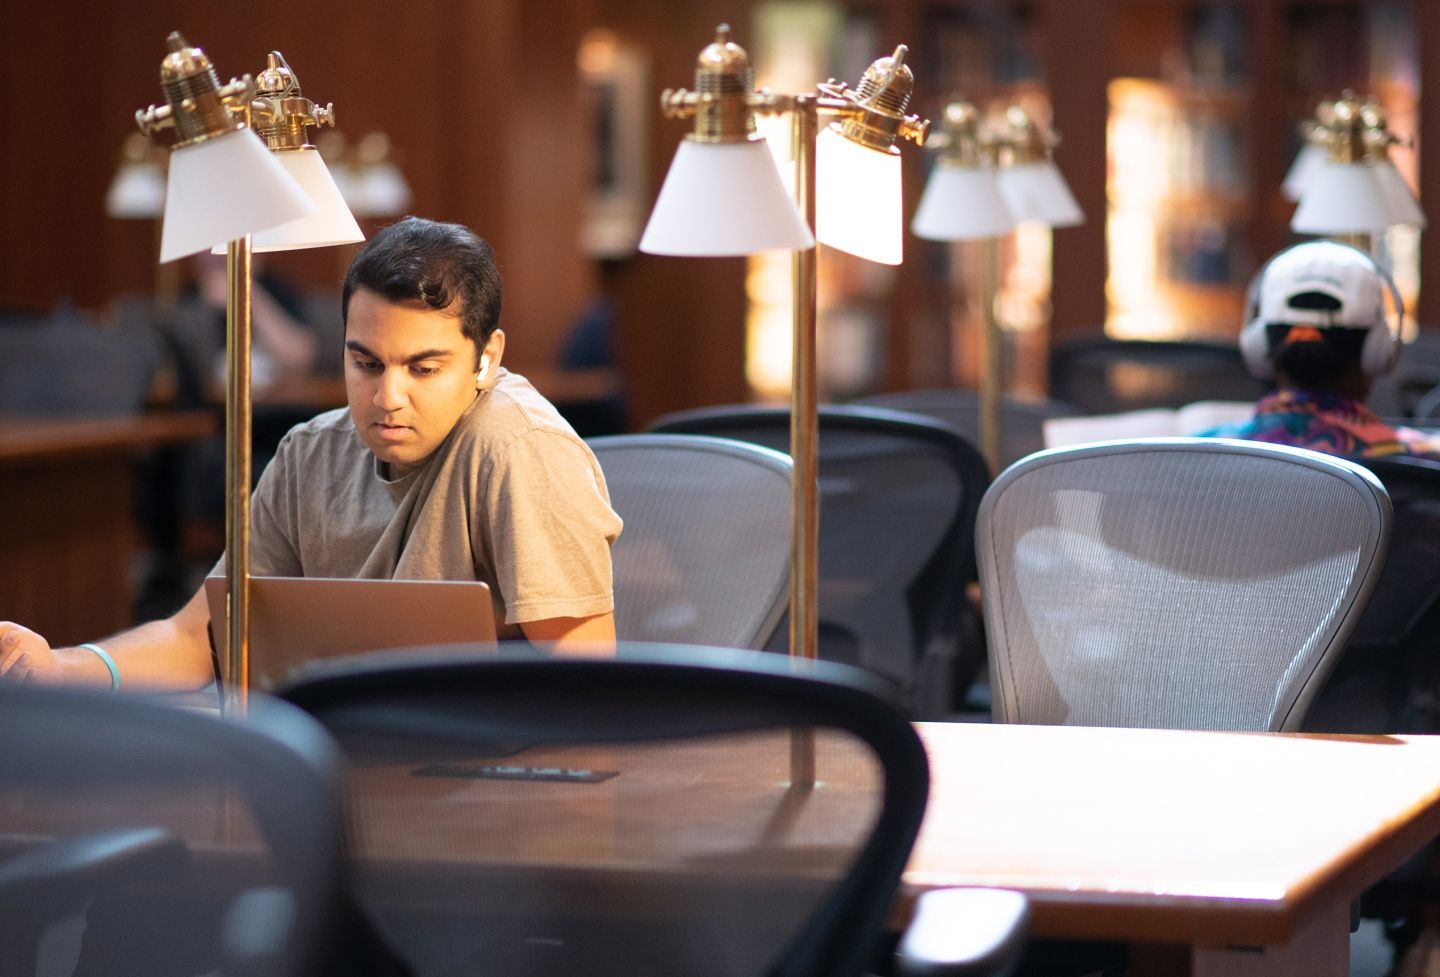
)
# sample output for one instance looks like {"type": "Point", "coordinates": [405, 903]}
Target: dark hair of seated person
{"type": "Point", "coordinates": [1329, 365]}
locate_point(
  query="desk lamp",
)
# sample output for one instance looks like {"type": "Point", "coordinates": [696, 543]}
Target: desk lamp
{"type": "Point", "coordinates": [723, 196]}
{"type": "Point", "coordinates": [963, 202]}
{"type": "Point", "coordinates": [224, 185]}
{"type": "Point", "coordinates": [1356, 191]}
{"type": "Point", "coordinates": [1031, 182]}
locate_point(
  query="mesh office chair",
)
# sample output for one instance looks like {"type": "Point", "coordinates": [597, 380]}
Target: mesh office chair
{"type": "Point", "coordinates": [71, 367]}
{"type": "Point", "coordinates": [629, 816]}
{"type": "Point", "coordinates": [1108, 376]}
{"type": "Point", "coordinates": [1183, 583]}
{"type": "Point", "coordinates": [1022, 423]}
{"type": "Point", "coordinates": [705, 555]}
{"type": "Point", "coordinates": [1388, 678]}
{"type": "Point", "coordinates": [898, 494]}
{"type": "Point", "coordinates": [186, 842]}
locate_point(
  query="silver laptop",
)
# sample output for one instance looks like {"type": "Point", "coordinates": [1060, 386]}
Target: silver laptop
{"type": "Point", "coordinates": [298, 620]}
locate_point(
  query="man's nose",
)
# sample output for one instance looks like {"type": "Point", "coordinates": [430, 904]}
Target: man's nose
{"type": "Point", "coordinates": [390, 392]}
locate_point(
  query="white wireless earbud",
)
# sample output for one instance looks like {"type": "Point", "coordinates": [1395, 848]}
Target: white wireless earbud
{"type": "Point", "coordinates": [484, 368]}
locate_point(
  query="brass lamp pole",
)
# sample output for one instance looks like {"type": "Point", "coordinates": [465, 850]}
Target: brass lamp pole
{"type": "Point", "coordinates": [224, 184]}
{"type": "Point", "coordinates": [724, 105]}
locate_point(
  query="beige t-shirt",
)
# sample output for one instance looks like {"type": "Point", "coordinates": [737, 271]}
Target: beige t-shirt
{"type": "Point", "coordinates": [513, 497]}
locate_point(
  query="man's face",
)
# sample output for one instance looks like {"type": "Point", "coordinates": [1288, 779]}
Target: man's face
{"type": "Point", "coordinates": [409, 375]}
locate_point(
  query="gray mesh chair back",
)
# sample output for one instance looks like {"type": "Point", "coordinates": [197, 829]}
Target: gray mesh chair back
{"type": "Point", "coordinates": [630, 816]}
{"type": "Point", "coordinates": [1181, 583]}
{"type": "Point", "coordinates": [898, 494]}
{"type": "Point", "coordinates": [72, 367]}
{"type": "Point", "coordinates": [705, 555]}
{"type": "Point", "coordinates": [1022, 422]}
{"type": "Point", "coordinates": [1108, 376]}
{"type": "Point", "coordinates": [181, 843]}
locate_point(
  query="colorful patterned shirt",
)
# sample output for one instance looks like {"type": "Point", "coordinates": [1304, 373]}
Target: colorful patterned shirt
{"type": "Point", "coordinates": [1330, 423]}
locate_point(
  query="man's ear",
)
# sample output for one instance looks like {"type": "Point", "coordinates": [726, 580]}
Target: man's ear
{"type": "Point", "coordinates": [495, 349]}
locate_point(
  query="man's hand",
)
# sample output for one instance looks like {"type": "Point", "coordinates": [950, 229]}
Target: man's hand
{"type": "Point", "coordinates": [25, 656]}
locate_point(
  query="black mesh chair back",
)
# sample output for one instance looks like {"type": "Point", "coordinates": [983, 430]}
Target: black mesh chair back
{"type": "Point", "coordinates": [898, 494]}
{"type": "Point", "coordinates": [1387, 678]}
{"type": "Point", "coordinates": [1022, 422]}
{"type": "Point", "coordinates": [705, 555]}
{"type": "Point", "coordinates": [1180, 583]}
{"type": "Point", "coordinates": [1109, 376]}
{"type": "Point", "coordinates": [180, 843]}
{"type": "Point", "coordinates": [627, 816]}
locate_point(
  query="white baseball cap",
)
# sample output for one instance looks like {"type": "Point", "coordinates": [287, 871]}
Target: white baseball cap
{"type": "Point", "coordinates": [1323, 284]}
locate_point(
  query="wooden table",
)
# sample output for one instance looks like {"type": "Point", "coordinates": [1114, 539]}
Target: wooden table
{"type": "Point", "coordinates": [1247, 849]}
{"type": "Point", "coordinates": [67, 531]}
{"type": "Point", "coordinates": [1217, 853]}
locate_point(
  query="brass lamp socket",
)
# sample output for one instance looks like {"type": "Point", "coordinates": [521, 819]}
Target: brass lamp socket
{"type": "Point", "coordinates": [961, 141]}
{"type": "Point", "coordinates": [724, 81]}
{"type": "Point", "coordinates": [882, 97]}
{"type": "Point", "coordinates": [280, 114]}
{"type": "Point", "coordinates": [1023, 141]}
{"type": "Point", "coordinates": [196, 104]}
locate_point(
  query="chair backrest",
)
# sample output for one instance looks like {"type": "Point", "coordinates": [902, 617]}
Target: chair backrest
{"type": "Point", "coordinates": [705, 555]}
{"type": "Point", "coordinates": [72, 367]}
{"type": "Point", "coordinates": [636, 815]}
{"type": "Point", "coordinates": [1022, 422]}
{"type": "Point", "coordinates": [1183, 583]}
{"type": "Point", "coordinates": [1386, 678]}
{"type": "Point", "coordinates": [187, 842]}
{"type": "Point", "coordinates": [898, 495]}
{"type": "Point", "coordinates": [1110, 376]}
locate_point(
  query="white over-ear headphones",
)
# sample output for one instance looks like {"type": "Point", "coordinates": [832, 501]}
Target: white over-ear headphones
{"type": "Point", "coordinates": [1381, 348]}
{"type": "Point", "coordinates": [484, 368]}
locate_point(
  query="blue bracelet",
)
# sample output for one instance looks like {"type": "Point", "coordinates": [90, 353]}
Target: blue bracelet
{"type": "Point", "coordinates": [104, 656]}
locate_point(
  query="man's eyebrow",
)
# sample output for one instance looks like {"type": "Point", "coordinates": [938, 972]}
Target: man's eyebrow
{"type": "Point", "coordinates": [424, 354]}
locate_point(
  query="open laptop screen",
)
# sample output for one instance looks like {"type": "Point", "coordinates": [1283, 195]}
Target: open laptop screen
{"type": "Point", "coordinates": [297, 620]}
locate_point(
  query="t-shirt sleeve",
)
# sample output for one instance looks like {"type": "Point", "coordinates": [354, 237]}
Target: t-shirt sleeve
{"type": "Point", "coordinates": [274, 519]}
{"type": "Point", "coordinates": [550, 529]}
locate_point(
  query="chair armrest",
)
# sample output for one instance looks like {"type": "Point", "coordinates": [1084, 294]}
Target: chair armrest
{"type": "Point", "coordinates": [963, 933]}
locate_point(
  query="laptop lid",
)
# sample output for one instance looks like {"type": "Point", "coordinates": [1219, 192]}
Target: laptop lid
{"type": "Point", "coordinates": [298, 620]}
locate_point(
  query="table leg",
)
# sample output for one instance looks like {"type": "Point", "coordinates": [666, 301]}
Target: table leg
{"type": "Point", "coordinates": [1320, 948]}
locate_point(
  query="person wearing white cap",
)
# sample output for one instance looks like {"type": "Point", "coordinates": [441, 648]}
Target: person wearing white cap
{"type": "Point", "coordinates": [1318, 327]}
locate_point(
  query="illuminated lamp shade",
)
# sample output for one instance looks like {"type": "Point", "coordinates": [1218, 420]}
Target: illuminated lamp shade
{"type": "Point", "coordinates": [223, 188]}
{"type": "Point", "coordinates": [858, 207]}
{"type": "Point", "coordinates": [1307, 161]}
{"type": "Point", "coordinates": [1037, 192]}
{"type": "Point", "coordinates": [1349, 198]}
{"type": "Point", "coordinates": [137, 192]}
{"type": "Point", "coordinates": [962, 203]}
{"type": "Point", "coordinates": [381, 190]}
{"type": "Point", "coordinates": [723, 199]}
{"type": "Point", "coordinates": [1404, 208]}
{"type": "Point", "coordinates": [331, 223]}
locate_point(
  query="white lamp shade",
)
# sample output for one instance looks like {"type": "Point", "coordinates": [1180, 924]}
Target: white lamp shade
{"type": "Point", "coordinates": [858, 206]}
{"type": "Point", "coordinates": [137, 192]}
{"type": "Point", "coordinates": [1404, 208]}
{"type": "Point", "coordinates": [1037, 192]}
{"type": "Point", "coordinates": [224, 188]}
{"type": "Point", "coordinates": [962, 203]}
{"type": "Point", "coordinates": [721, 200]}
{"type": "Point", "coordinates": [1348, 198]}
{"type": "Point", "coordinates": [1307, 161]}
{"type": "Point", "coordinates": [331, 223]}
{"type": "Point", "coordinates": [379, 190]}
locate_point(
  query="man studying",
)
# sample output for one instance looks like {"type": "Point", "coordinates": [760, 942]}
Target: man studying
{"type": "Point", "coordinates": [444, 466]}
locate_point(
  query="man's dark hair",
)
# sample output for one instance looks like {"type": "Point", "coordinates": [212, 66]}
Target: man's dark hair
{"type": "Point", "coordinates": [1318, 366]}
{"type": "Point", "coordinates": [446, 266]}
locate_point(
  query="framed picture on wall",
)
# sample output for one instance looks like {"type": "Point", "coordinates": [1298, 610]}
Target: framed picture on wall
{"type": "Point", "coordinates": [619, 103]}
